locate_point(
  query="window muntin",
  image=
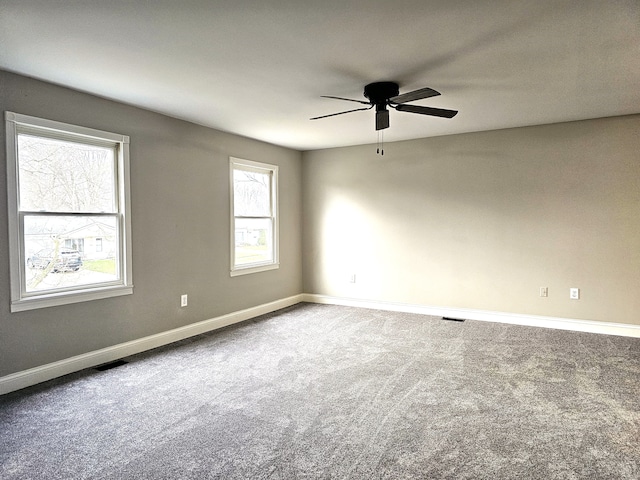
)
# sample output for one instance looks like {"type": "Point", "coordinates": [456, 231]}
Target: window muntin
{"type": "Point", "coordinates": [68, 187]}
{"type": "Point", "coordinates": [254, 227]}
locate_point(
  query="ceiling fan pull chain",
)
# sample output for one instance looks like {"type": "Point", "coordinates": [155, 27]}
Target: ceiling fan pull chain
{"type": "Point", "coordinates": [380, 149]}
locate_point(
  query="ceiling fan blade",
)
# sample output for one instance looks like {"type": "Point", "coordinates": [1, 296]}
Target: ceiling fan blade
{"type": "Point", "coordinates": [382, 119]}
{"type": "Point", "coordinates": [341, 113]}
{"type": "Point", "coordinates": [435, 112]}
{"type": "Point", "coordinates": [415, 95]}
{"type": "Point", "coordinates": [347, 99]}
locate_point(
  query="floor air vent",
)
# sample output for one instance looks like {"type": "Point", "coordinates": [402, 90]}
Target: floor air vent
{"type": "Point", "coordinates": [453, 319]}
{"type": "Point", "coordinates": [110, 365]}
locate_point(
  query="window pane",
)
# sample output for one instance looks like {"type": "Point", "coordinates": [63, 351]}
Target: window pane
{"type": "Point", "coordinates": [61, 176]}
{"type": "Point", "coordinates": [254, 240]}
{"type": "Point", "coordinates": [64, 251]}
{"type": "Point", "coordinates": [251, 194]}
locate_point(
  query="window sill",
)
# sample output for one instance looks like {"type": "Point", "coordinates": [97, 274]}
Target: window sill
{"type": "Point", "coordinates": [53, 300]}
{"type": "Point", "coordinates": [256, 269]}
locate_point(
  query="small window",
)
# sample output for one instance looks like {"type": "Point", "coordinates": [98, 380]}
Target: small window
{"type": "Point", "coordinates": [67, 185]}
{"type": "Point", "coordinates": [254, 219]}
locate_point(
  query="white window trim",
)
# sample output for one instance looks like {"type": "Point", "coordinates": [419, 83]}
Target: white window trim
{"type": "Point", "coordinates": [258, 167]}
{"type": "Point", "coordinates": [21, 302]}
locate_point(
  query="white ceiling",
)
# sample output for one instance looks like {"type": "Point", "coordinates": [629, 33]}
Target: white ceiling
{"type": "Point", "coordinates": [258, 68]}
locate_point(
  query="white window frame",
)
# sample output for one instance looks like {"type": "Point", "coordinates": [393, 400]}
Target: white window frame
{"type": "Point", "coordinates": [248, 165]}
{"type": "Point", "coordinates": [21, 300]}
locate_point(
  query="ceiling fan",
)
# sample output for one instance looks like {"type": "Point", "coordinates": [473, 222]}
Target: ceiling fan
{"type": "Point", "coordinates": [387, 94]}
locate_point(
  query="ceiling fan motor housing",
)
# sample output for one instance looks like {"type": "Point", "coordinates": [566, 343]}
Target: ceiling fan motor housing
{"type": "Point", "coordinates": [379, 93]}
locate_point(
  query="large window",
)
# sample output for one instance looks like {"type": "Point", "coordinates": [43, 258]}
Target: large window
{"type": "Point", "coordinates": [69, 227]}
{"type": "Point", "coordinates": [254, 219]}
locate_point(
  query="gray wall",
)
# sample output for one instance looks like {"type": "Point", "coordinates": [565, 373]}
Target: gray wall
{"type": "Point", "coordinates": [475, 221]}
{"type": "Point", "coordinates": [180, 216]}
{"type": "Point", "coordinates": [482, 220]}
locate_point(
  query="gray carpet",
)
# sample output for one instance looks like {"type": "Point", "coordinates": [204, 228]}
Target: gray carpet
{"type": "Point", "coordinates": [320, 391]}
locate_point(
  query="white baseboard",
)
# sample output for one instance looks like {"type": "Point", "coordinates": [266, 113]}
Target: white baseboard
{"type": "Point", "coordinates": [26, 378]}
{"type": "Point", "coordinates": [590, 326]}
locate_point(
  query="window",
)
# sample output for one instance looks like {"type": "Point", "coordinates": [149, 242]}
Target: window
{"type": "Point", "coordinates": [254, 217]}
{"type": "Point", "coordinates": [67, 186]}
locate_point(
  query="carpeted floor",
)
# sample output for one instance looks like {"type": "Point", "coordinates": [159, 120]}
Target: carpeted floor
{"type": "Point", "coordinates": [329, 392]}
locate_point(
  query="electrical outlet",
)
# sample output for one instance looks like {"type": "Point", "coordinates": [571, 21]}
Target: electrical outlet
{"type": "Point", "coordinates": [574, 293]}
{"type": "Point", "coordinates": [352, 278]}
{"type": "Point", "coordinates": [184, 300]}
{"type": "Point", "coordinates": [544, 291]}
